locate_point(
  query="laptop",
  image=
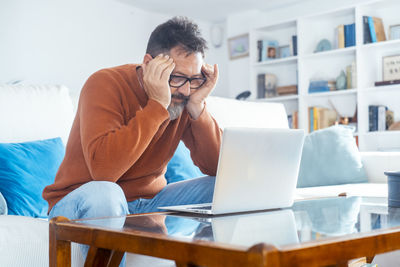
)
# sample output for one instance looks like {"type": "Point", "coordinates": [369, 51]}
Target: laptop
{"type": "Point", "coordinates": [257, 170]}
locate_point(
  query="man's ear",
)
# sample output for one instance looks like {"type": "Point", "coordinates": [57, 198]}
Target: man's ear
{"type": "Point", "coordinates": [147, 58]}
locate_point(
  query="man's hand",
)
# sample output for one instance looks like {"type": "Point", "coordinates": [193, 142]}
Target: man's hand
{"type": "Point", "coordinates": [155, 79]}
{"type": "Point", "coordinates": [196, 102]}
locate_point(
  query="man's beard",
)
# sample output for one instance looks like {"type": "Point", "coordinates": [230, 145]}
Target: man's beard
{"type": "Point", "coordinates": [175, 109]}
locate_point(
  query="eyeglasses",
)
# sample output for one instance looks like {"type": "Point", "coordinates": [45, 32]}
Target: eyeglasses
{"type": "Point", "coordinates": [177, 81]}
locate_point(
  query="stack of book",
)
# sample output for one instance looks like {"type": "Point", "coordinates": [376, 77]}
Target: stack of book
{"type": "Point", "coordinates": [379, 117]}
{"type": "Point", "coordinates": [321, 86]}
{"type": "Point", "coordinates": [345, 35]}
{"type": "Point", "coordinates": [320, 118]}
{"type": "Point", "coordinates": [373, 30]}
{"type": "Point", "coordinates": [286, 90]}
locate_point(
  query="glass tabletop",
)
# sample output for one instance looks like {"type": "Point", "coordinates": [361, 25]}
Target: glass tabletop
{"type": "Point", "coordinates": [306, 220]}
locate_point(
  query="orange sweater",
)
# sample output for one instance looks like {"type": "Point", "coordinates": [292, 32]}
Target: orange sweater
{"type": "Point", "coordinates": [121, 136]}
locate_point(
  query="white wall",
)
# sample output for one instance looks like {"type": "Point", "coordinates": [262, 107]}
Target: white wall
{"type": "Point", "coordinates": [64, 41]}
{"type": "Point", "coordinates": [240, 23]}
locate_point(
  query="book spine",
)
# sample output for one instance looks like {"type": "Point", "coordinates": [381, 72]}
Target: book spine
{"type": "Point", "coordinates": [316, 118]}
{"type": "Point", "coordinates": [294, 43]}
{"type": "Point", "coordinates": [372, 29]}
{"type": "Point", "coordinates": [259, 47]}
{"type": "Point", "coordinates": [382, 118]}
{"type": "Point", "coordinates": [341, 36]}
{"type": "Point", "coordinates": [352, 34]}
{"type": "Point", "coordinates": [261, 86]}
{"type": "Point", "coordinates": [367, 34]}
{"type": "Point", "coordinates": [370, 119]}
{"type": "Point", "coordinates": [347, 36]}
{"type": "Point", "coordinates": [311, 119]}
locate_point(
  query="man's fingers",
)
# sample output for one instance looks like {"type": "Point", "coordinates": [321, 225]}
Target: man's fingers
{"type": "Point", "coordinates": [167, 71]}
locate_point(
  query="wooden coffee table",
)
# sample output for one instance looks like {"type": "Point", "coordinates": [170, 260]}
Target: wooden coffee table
{"type": "Point", "coordinates": [318, 232]}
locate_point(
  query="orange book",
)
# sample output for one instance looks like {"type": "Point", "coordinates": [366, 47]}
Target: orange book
{"type": "Point", "coordinates": [379, 29]}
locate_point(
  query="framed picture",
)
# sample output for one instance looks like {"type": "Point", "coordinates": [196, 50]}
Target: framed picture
{"type": "Point", "coordinates": [391, 68]}
{"type": "Point", "coordinates": [238, 46]}
{"type": "Point", "coordinates": [394, 32]}
{"type": "Point", "coordinates": [284, 51]}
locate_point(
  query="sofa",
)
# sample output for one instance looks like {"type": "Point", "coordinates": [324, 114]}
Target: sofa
{"type": "Point", "coordinates": [29, 113]}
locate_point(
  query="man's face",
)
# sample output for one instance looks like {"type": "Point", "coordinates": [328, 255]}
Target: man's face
{"type": "Point", "coordinates": [188, 66]}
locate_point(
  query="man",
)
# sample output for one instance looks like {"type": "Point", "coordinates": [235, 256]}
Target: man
{"type": "Point", "coordinates": [129, 122]}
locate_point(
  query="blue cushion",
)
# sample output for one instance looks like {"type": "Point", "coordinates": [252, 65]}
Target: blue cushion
{"type": "Point", "coordinates": [3, 205]}
{"type": "Point", "coordinates": [25, 169]}
{"type": "Point", "coordinates": [181, 166]}
{"type": "Point", "coordinates": [330, 157]}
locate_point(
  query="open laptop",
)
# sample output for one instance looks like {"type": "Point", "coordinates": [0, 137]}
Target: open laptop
{"type": "Point", "coordinates": [257, 170]}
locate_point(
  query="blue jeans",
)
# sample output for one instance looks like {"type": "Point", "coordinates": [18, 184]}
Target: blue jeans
{"type": "Point", "coordinates": [106, 199]}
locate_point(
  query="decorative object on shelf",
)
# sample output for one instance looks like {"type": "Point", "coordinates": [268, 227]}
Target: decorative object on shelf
{"type": "Point", "coordinates": [391, 68]}
{"type": "Point", "coordinates": [341, 81]}
{"type": "Point", "coordinates": [323, 45]}
{"type": "Point", "coordinates": [389, 118]}
{"type": "Point", "coordinates": [216, 35]}
{"type": "Point", "coordinates": [270, 85]}
{"type": "Point", "coordinates": [238, 46]}
{"type": "Point", "coordinates": [267, 49]}
{"type": "Point", "coordinates": [243, 95]}
{"type": "Point", "coordinates": [284, 51]}
{"type": "Point", "coordinates": [394, 32]}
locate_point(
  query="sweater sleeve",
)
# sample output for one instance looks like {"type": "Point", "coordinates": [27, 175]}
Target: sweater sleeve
{"type": "Point", "coordinates": [110, 145]}
{"type": "Point", "coordinates": [203, 138]}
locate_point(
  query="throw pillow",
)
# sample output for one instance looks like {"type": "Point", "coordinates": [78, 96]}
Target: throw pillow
{"type": "Point", "coordinates": [330, 157]}
{"type": "Point", "coordinates": [25, 169]}
{"type": "Point", "coordinates": [181, 166]}
{"type": "Point", "coordinates": [3, 205]}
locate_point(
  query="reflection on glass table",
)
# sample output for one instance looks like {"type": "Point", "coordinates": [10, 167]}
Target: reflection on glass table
{"type": "Point", "coordinates": [307, 220]}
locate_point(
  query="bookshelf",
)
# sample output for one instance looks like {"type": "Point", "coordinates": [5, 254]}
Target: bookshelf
{"type": "Point", "coordinates": [309, 65]}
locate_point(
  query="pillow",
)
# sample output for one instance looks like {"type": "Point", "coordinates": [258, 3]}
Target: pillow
{"type": "Point", "coordinates": [330, 157]}
{"type": "Point", "coordinates": [3, 205]}
{"type": "Point", "coordinates": [181, 166]}
{"type": "Point", "coordinates": [25, 169]}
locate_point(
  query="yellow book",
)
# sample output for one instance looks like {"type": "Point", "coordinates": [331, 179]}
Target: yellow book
{"type": "Point", "coordinates": [340, 37]}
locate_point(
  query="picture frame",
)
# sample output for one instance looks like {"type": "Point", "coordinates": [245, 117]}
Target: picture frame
{"type": "Point", "coordinates": [394, 32]}
{"type": "Point", "coordinates": [284, 51]}
{"type": "Point", "coordinates": [238, 46]}
{"type": "Point", "coordinates": [391, 68]}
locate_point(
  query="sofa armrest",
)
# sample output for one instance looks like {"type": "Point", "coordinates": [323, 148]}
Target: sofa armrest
{"type": "Point", "coordinates": [376, 163]}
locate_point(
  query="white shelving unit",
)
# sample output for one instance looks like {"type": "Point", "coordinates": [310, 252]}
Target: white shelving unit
{"type": "Point", "coordinates": [327, 65]}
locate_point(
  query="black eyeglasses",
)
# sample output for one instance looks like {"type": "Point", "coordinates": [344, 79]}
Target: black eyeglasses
{"type": "Point", "coordinates": [177, 81]}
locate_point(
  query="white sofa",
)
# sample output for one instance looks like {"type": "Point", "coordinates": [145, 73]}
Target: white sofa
{"type": "Point", "coordinates": [30, 113]}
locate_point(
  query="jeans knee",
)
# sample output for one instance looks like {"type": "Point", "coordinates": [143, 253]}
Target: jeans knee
{"type": "Point", "coordinates": [103, 198]}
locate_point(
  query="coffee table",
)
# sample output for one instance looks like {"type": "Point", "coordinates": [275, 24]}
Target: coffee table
{"type": "Point", "coordinates": [319, 232]}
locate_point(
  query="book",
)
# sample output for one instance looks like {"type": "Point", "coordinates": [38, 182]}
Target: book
{"type": "Point", "coordinates": [294, 44]}
{"type": "Point", "coordinates": [382, 83]}
{"type": "Point", "coordinates": [350, 35]}
{"type": "Point", "coordinates": [287, 90]}
{"type": "Point", "coordinates": [382, 118]}
{"type": "Point", "coordinates": [366, 31]}
{"type": "Point", "coordinates": [295, 119]}
{"type": "Point", "coordinates": [372, 29]}
{"type": "Point", "coordinates": [259, 50]}
{"type": "Point", "coordinates": [311, 119]}
{"type": "Point", "coordinates": [261, 85]}
{"type": "Point", "coordinates": [372, 118]}
{"type": "Point", "coordinates": [340, 36]}
{"type": "Point", "coordinates": [321, 86]}
{"type": "Point", "coordinates": [379, 30]}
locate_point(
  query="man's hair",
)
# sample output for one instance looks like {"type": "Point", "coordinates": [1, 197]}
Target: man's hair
{"type": "Point", "coordinates": [176, 32]}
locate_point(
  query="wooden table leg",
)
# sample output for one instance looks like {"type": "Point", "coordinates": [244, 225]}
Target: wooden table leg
{"type": "Point", "coordinates": [59, 250]}
{"type": "Point", "coordinates": [97, 257]}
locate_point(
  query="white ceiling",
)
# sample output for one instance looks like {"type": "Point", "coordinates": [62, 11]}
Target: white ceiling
{"type": "Point", "coordinates": [209, 10]}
